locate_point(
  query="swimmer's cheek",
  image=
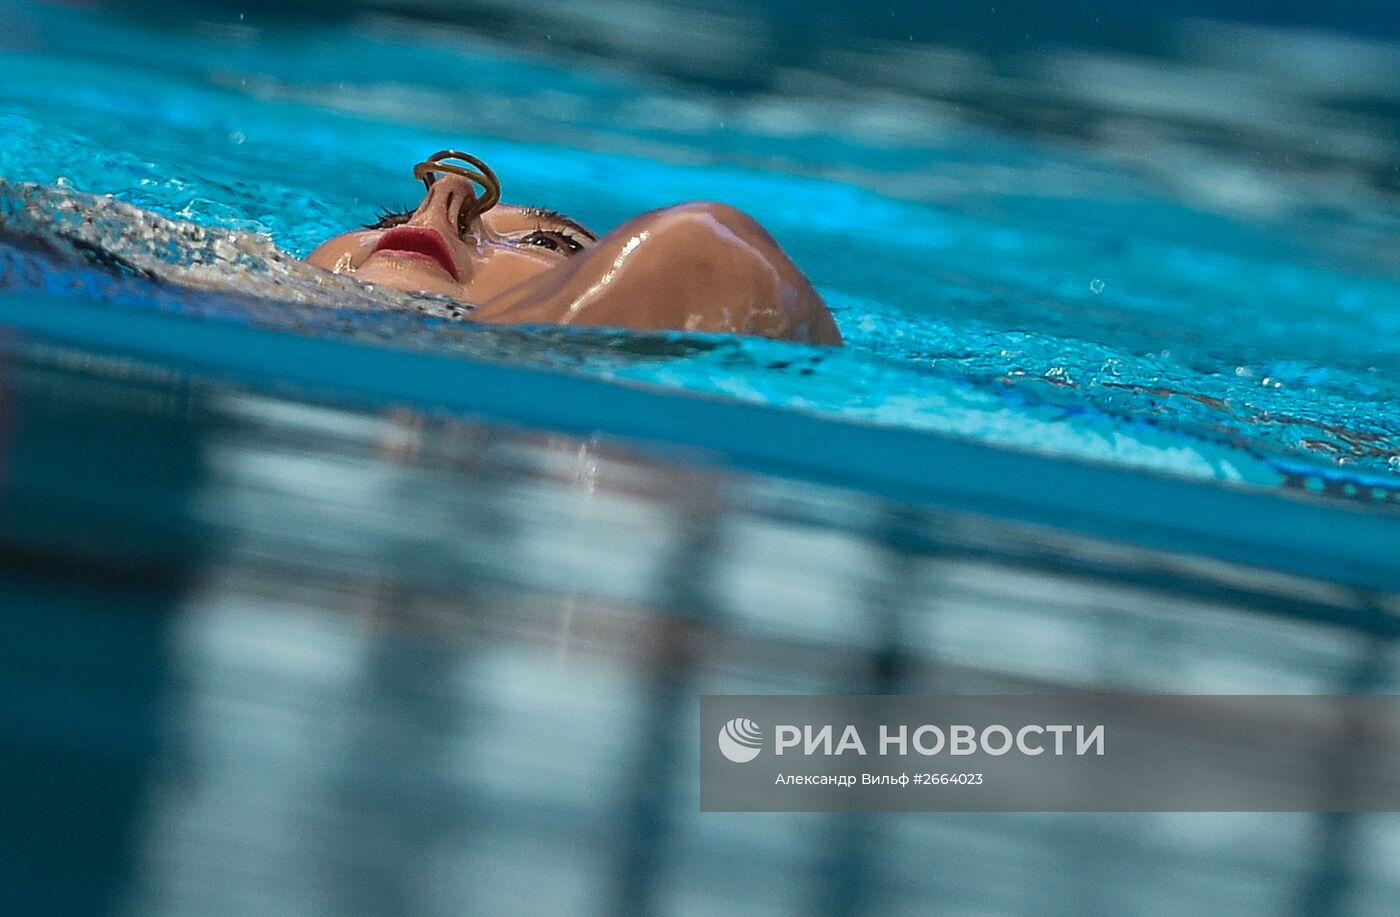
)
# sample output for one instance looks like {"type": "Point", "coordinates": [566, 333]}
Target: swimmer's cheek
{"type": "Point", "coordinates": [781, 302]}
{"type": "Point", "coordinates": [339, 253]}
{"type": "Point", "coordinates": [699, 266]}
{"type": "Point", "coordinates": [709, 267]}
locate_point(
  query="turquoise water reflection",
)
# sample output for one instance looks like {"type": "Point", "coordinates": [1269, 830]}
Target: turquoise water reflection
{"type": "Point", "coordinates": [265, 652]}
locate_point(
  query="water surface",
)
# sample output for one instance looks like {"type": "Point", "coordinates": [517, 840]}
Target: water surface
{"type": "Point", "coordinates": [1010, 288]}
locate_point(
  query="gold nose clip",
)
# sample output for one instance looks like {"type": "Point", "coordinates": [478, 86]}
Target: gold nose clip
{"type": "Point", "coordinates": [475, 171]}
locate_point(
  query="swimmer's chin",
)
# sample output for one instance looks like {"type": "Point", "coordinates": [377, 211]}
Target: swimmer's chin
{"type": "Point", "coordinates": [408, 274]}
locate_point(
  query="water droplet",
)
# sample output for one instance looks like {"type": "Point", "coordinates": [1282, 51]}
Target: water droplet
{"type": "Point", "coordinates": [1096, 286]}
{"type": "Point", "coordinates": [236, 137]}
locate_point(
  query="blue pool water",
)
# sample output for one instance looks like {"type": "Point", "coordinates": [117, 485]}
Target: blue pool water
{"type": "Point", "coordinates": [316, 600]}
{"type": "Point", "coordinates": [1007, 289]}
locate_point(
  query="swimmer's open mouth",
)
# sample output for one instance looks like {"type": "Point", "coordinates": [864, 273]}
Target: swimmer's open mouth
{"type": "Point", "coordinates": [424, 243]}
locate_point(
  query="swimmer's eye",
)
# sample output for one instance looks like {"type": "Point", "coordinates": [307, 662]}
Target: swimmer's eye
{"type": "Point", "coordinates": [388, 219]}
{"type": "Point", "coordinates": [552, 240]}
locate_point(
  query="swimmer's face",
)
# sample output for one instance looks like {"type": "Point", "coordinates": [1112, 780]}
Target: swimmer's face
{"type": "Point", "coordinates": [439, 249]}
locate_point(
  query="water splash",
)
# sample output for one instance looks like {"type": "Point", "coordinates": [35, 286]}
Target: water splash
{"type": "Point", "coordinates": [104, 232]}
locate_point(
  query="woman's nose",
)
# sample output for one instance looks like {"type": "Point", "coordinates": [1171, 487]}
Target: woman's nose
{"type": "Point", "coordinates": [447, 206]}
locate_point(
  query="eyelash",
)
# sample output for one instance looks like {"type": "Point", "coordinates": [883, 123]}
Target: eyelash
{"type": "Point", "coordinates": [388, 219]}
{"type": "Point", "coordinates": [553, 240]}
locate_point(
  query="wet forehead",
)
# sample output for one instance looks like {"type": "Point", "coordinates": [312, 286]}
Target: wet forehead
{"type": "Point", "coordinates": [510, 218]}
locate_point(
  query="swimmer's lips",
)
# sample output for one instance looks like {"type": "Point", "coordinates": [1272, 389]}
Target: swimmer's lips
{"type": "Point", "coordinates": [417, 242]}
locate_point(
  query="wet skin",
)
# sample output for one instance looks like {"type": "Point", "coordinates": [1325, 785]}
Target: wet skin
{"type": "Point", "coordinates": [697, 266]}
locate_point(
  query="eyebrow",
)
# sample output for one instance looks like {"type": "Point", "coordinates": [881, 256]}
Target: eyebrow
{"type": "Point", "coordinates": [559, 219]}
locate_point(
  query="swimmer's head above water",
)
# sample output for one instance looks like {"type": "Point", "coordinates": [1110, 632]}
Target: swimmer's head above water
{"type": "Point", "coordinates": [460, 241]}
{"type": "Point", "coordinates": [697, 266]}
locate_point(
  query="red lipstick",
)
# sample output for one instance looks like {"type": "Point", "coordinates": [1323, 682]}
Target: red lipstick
{"type": "Point", "coordinates": [420, 242]}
